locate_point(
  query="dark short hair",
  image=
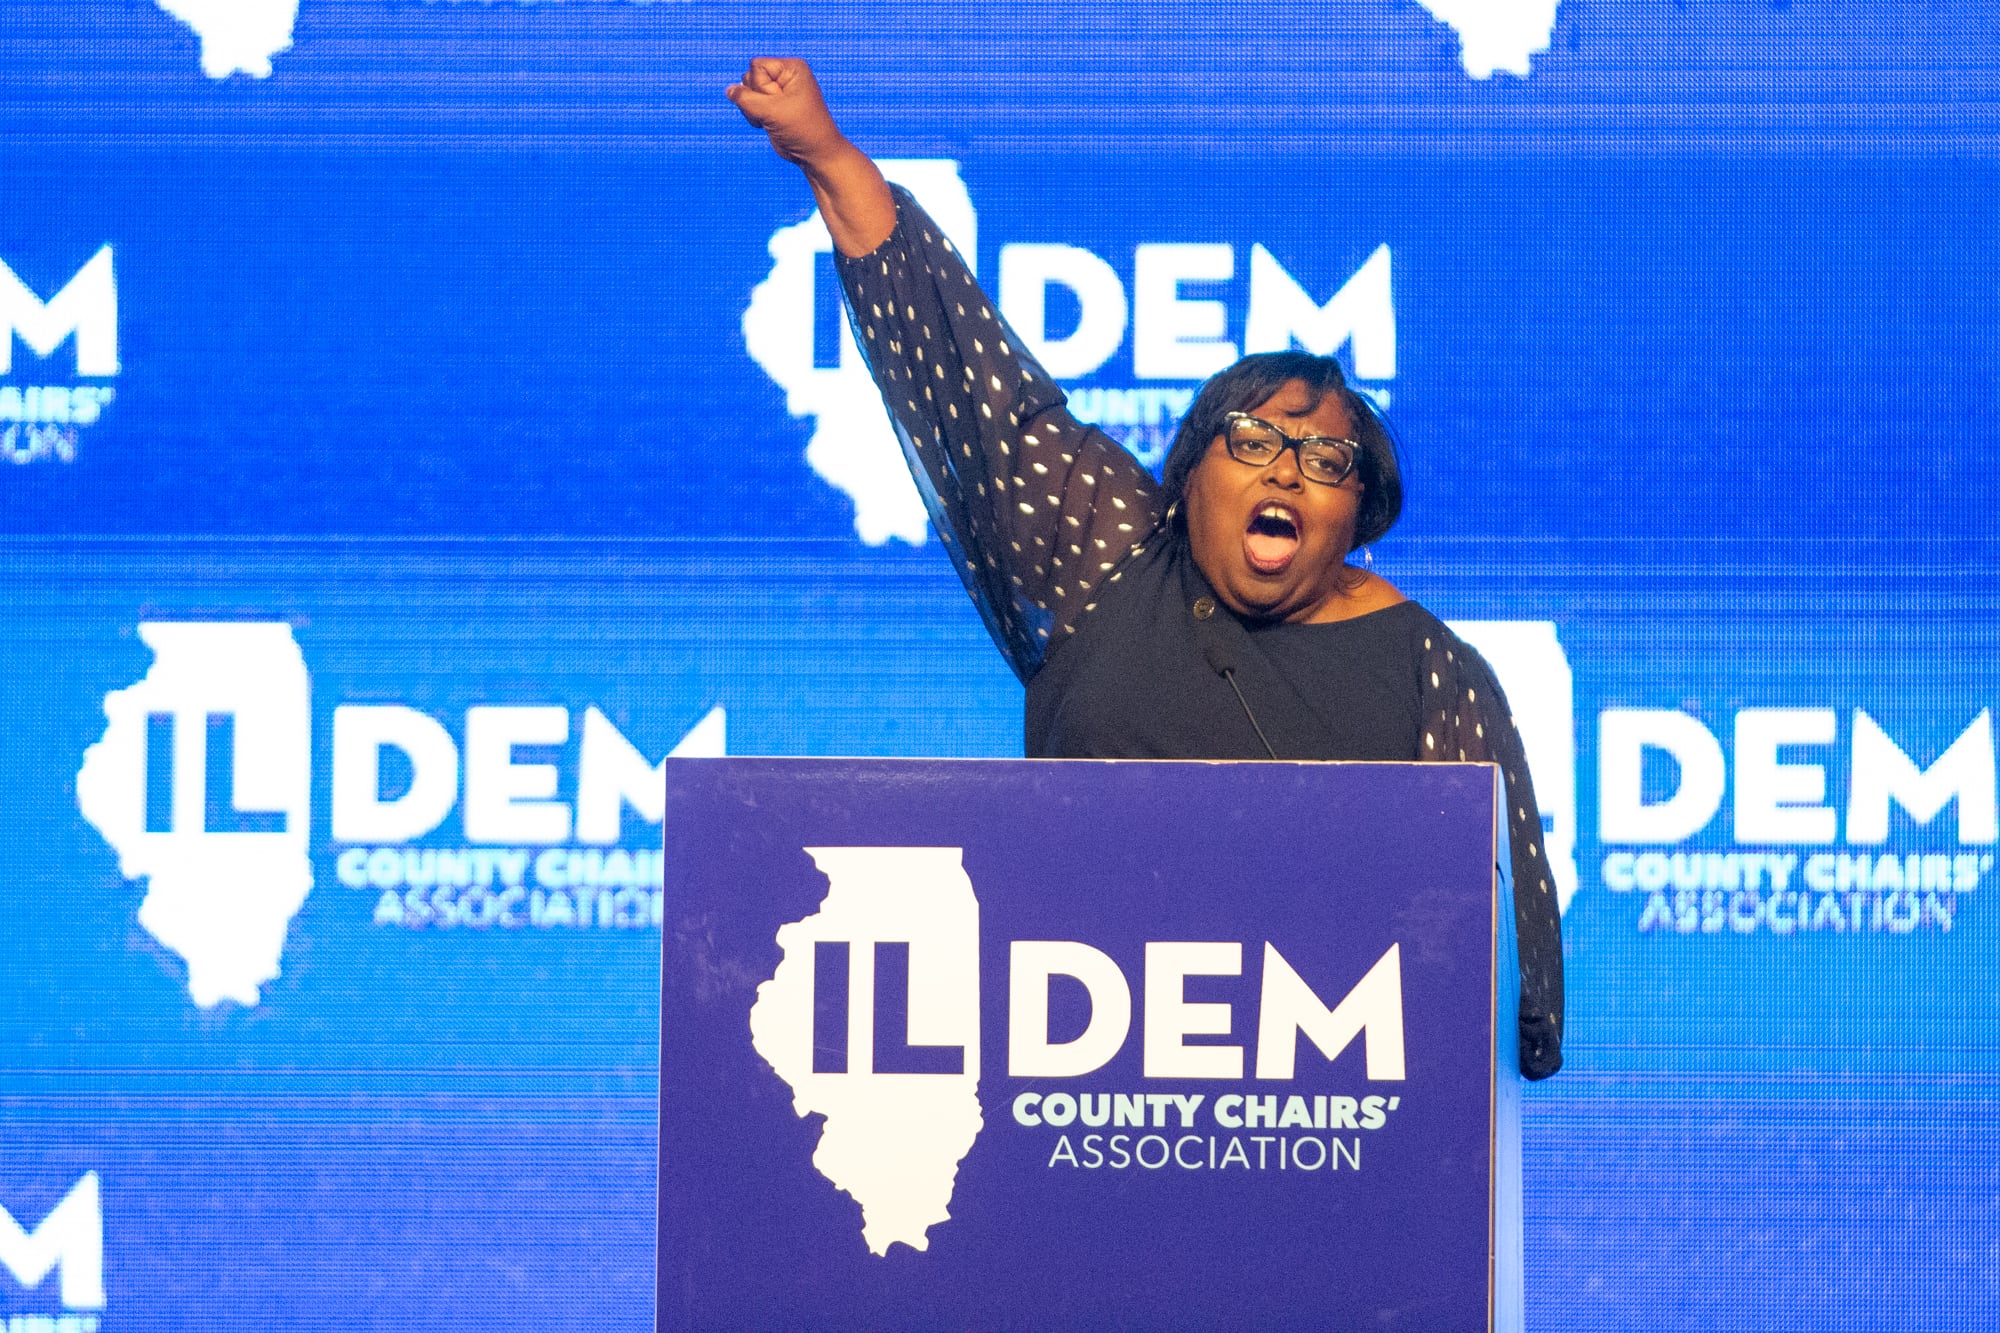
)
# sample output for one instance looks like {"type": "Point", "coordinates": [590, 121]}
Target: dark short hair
{"type": "Point", "coordinates": [1252, 382]}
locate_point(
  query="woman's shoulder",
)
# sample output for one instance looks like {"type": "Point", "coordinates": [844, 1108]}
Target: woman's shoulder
{"type": "Point", "coordinates": [1444, 660]}
{"type": "Point", "coordinates": [1387, 607]}
{"type": "Point", "coordinates": [1440, 646]}
{"type": "Point", "coordinates": [1361, 594]}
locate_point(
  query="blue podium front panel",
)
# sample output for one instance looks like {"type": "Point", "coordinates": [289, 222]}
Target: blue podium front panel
{"type": "Point", "coordinates": [963, 1043]}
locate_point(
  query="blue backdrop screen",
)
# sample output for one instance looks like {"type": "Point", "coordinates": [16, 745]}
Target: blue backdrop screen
{"type": "Point", "coordinates": [419, 419]}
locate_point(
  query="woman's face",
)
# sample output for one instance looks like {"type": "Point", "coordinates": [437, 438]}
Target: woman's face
{"type": "Point", "coordinates": [1273, 544]}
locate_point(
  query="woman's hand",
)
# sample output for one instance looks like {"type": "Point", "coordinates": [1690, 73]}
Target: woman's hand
{"type": "Point", "coordinates": [780, 97]}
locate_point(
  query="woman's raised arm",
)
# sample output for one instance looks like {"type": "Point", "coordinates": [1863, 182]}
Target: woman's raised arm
{"type": "Point", "coordinates": [781, 97]}
{"type": "Point", "coordinates": [1037, 510]}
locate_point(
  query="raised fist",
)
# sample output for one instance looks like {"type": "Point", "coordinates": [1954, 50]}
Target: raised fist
{"type": "Point", "coordinates": [780, 97]}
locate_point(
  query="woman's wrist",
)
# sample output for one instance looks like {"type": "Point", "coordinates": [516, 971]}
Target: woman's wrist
{"type": "Point", "coordinates": [834, 164]}
{"type": "Point", "coordinates": [854, 199]}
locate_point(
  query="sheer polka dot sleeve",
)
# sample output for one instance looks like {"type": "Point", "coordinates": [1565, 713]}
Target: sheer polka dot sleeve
{"type": "Point", "coordinates": [1466, 718]}
{"type": "Point", "coordinates": [1036, 509]}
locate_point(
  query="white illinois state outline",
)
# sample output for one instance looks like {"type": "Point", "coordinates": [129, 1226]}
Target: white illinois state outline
{"type": "Point", "coordinates": [853, 446]}
{"type": "Point", "coordinates": [891, 1140]}
{"type": "Point", "coordinates": [1497, 36]}
{"type": "Point", "coordinates": [220, 898]}
{"type": "Point", "coordinates": [237, 36]}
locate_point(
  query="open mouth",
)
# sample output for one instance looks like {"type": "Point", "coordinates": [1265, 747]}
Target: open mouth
{"type": "Point", "coordinates": [1272, 539]}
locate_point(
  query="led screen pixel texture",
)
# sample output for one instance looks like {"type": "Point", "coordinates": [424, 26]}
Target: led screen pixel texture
{"type": "Point", "coordinates": [467, 377]}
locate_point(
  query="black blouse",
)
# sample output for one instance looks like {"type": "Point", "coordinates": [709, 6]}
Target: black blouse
{"type": "Point", "coordinates": [1061, 539]}
{"type": "Point", "coordinates": [1355, 677]}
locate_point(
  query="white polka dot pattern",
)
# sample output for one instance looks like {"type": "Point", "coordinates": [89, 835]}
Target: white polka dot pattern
{"type": "Point", "coordinates": [1057, 485]}
{"type": "Point", "coordinates": [1466, 715]}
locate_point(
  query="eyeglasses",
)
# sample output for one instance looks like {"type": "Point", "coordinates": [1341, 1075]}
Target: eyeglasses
{"type": "Point", "coordinates": [1322, 458]}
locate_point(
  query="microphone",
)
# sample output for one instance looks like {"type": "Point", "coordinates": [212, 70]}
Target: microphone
{"type": "Point", "coordinates": [1220, 662]}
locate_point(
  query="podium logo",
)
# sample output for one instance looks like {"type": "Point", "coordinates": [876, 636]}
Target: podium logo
{"type": "Point", "coordinates": [70, 1238]}
{"type": "Point", "coordinates": [40, 419]}
{"type": "Point", "coordinates": [200, 785]}
{"type": "Point", "coordinates": [872, 1018]}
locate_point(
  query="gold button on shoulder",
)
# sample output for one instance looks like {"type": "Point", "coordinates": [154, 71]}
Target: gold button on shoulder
{"type": "Point", "coordinates": [1204, 607]}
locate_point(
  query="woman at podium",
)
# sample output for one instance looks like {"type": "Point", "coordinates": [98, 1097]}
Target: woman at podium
{"type": "Point", "coordinates": [1213, 614]}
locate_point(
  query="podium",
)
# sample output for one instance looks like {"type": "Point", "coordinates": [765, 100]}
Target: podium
{"type": "Point", "coordinates": [1079, 1044]}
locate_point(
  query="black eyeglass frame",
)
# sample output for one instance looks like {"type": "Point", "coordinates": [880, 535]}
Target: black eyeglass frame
{"type": "Point", "coordinates": [1350, 448]}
